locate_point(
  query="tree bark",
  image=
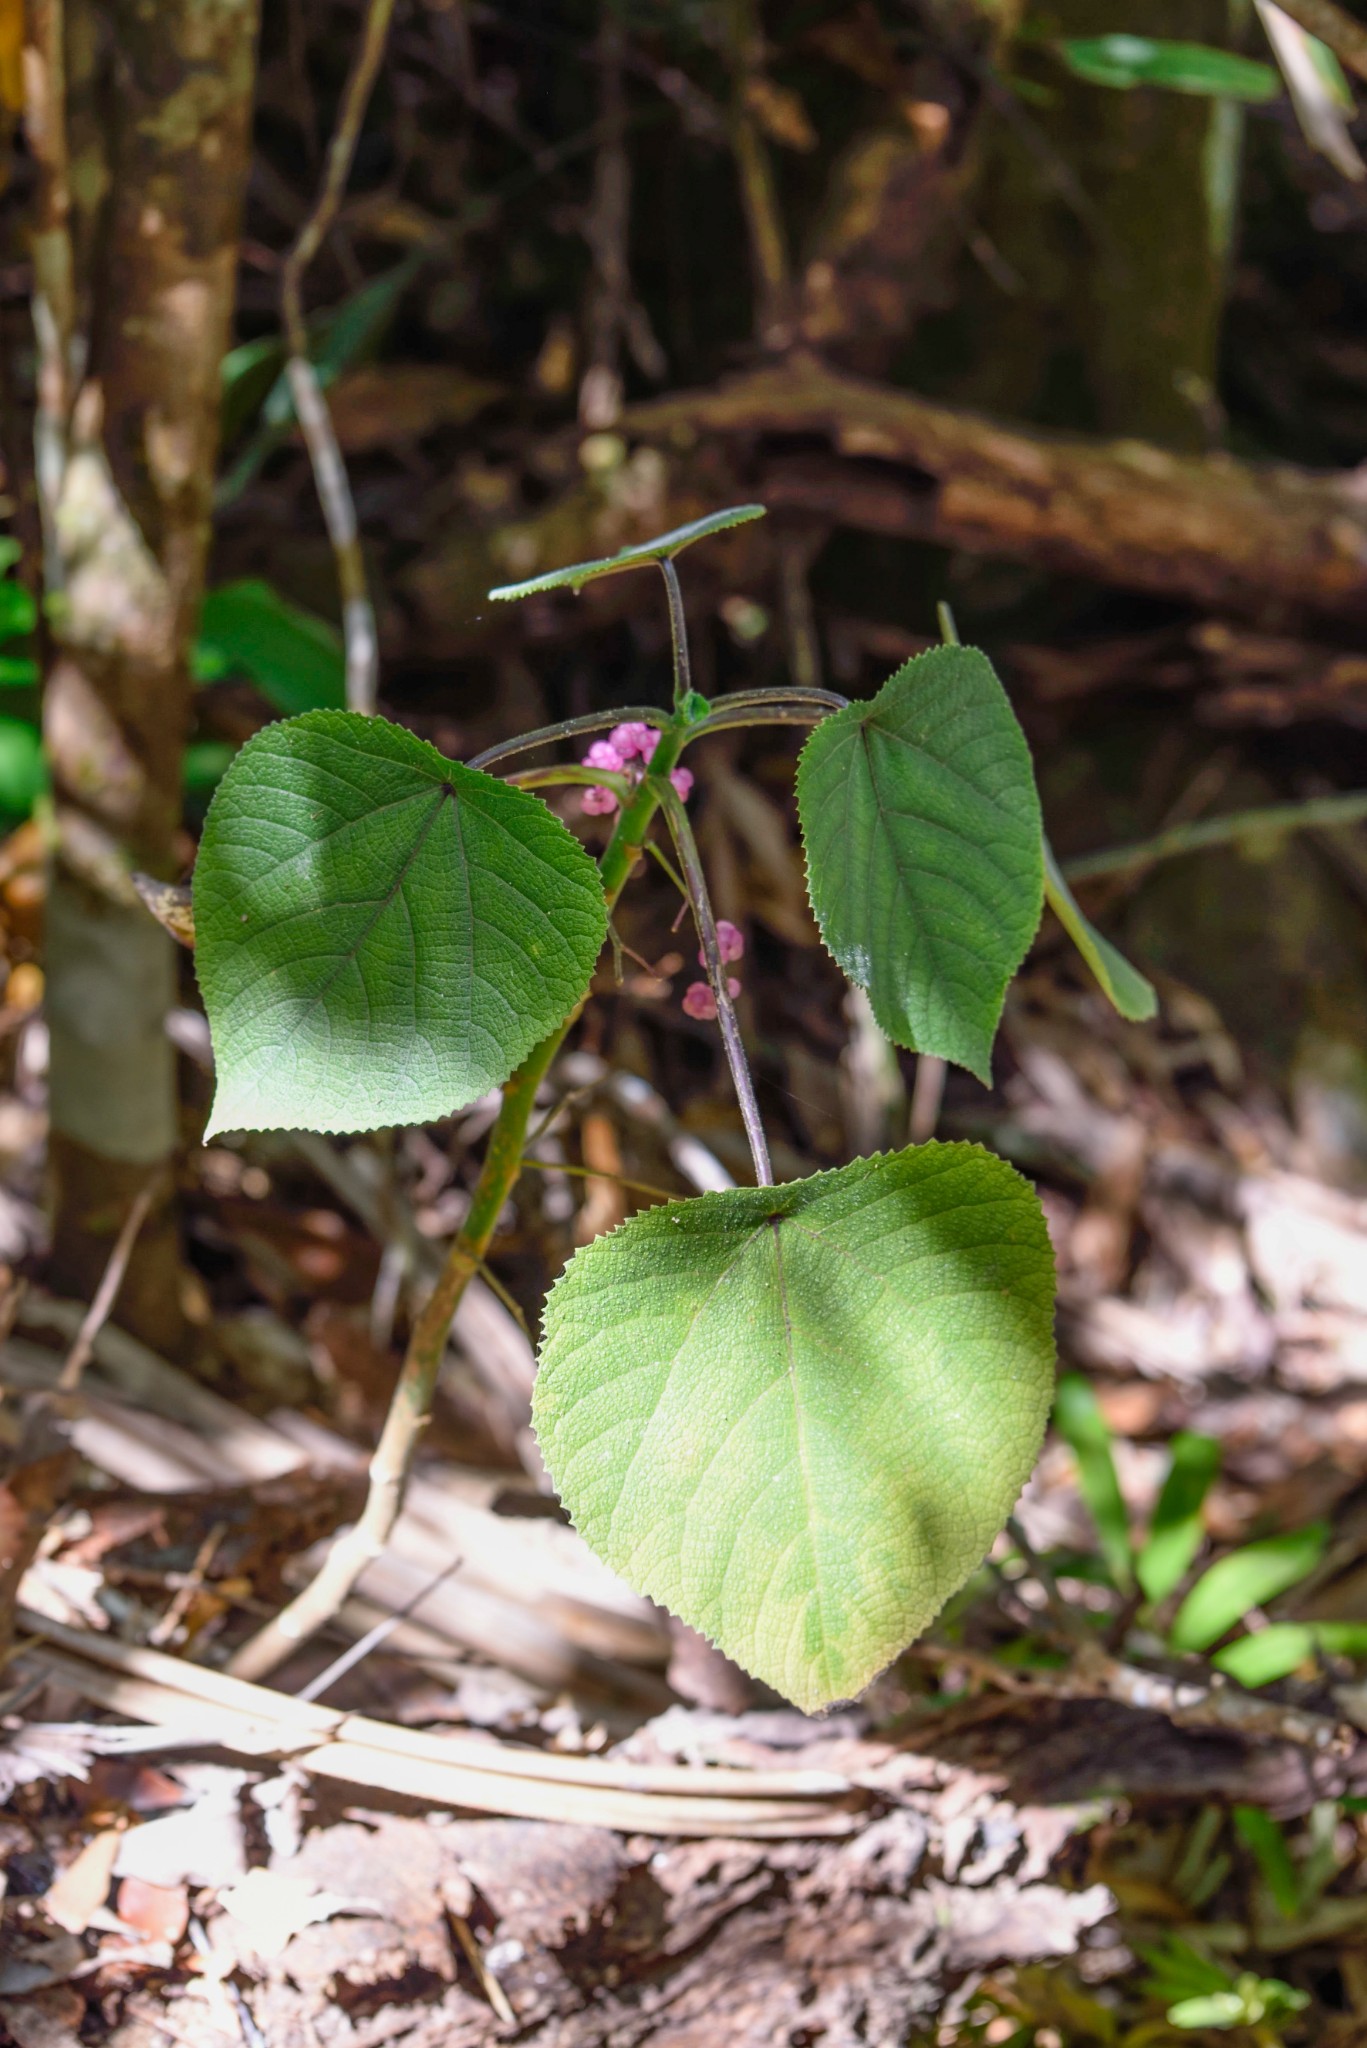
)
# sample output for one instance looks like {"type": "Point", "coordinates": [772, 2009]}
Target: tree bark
{"type": "Point", "coordinates": [140, 120]}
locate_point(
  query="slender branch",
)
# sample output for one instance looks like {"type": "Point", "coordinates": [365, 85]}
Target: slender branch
{"type": "Point", "coordinates": [1346, 36]}
{"type": "Point", "coordinates": [1314, 813]}
{"type": "Point", "coordinates": [411, 1403]}
{"type": "Point", "coordinates": [686, 846]}
{"type": "Point", "coordinates": [568, 729]}
{"type": "Point", "coordinates": [107, 1293]}
{"type": "Point", "coordinates": [678, 633]}
{"type": "Point", "coordinates": [769, 259]}
{"type": "Point", "coordinates": [310, 406]}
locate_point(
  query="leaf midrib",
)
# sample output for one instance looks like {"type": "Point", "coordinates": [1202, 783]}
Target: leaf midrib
{"type": "Point", "coordinates": [345, 960]}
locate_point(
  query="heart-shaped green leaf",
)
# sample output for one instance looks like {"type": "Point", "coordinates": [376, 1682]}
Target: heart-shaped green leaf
{"type": "Point", "coordinates": [662, 549]}
{"type": "Point", "coordinates": [799, 1415]}
{"type": "Point", "coordinates": [382, 934]}
{"type": "Point", "coordinates": [922, 829]}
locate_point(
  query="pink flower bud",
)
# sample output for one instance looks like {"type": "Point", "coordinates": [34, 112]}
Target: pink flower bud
{"type": "Point", "coordinates": [699, 1002]}
{"type": "Point", "coordinates": [602, 754]}
{"type": "Point", "coordinates": [682, 779]}
{"type": "Point", "coordinates": [730, 942]}
{"type": "Point", "coordinates": [631, 740]}
{"type": "Point", "coordinates": [599, 802]}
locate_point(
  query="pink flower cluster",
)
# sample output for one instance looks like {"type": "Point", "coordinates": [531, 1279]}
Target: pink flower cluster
{"type": "Point", "coordinates": [698, 998]}
{"type": "Point", "coordinates": [625, 746]}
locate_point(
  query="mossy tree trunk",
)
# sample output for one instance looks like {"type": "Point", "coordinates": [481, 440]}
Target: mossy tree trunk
{"type": "Point", "coordinates": [1109, 216]}
{"type": "Point", "coordinates": [139, 116]}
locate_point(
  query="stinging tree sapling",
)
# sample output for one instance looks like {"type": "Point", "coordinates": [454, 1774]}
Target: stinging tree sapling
{"type": "Point", "coordinates": [796, 1414]}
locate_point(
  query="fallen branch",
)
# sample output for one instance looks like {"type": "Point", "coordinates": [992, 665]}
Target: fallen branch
{"type": "Point", "coordinates": [468, 1771]}
{"type": "Point", "coordinates": [1253, 538]}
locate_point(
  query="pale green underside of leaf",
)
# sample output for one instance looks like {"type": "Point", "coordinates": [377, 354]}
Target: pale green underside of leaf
{"type": "Point", "coordinates": [799, 1415]}
{"type": "Point", "coordinates": [382, 934]}
{"type": "Point", "coordinates": [662, 548]}
{"type": "Point", "coordinates": [922, 830]}
{"type": "Point", "coordinates": [1126, 987]}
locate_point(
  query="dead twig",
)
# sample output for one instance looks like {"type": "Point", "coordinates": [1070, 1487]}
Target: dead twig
{"type": "Point", "coordinates": [107, 1293]}
{"type": "Point", "coordinates": [447, 1769]}
{"type": "Point", "coordinates": [1187, 1703]}
{"type": "Point", "coordinates": [315, 421]}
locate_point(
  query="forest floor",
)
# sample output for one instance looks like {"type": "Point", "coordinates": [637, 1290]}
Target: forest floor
{"type": "Point", "coordinates": [536, 1808]}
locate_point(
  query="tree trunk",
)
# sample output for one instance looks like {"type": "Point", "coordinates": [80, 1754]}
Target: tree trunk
{"type": "Point", "coordinates": [140, 120]}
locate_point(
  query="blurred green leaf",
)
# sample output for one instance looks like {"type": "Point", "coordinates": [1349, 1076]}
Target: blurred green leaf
{"type": "Point", "coordinates": [23, 773]}
{"type": "Point", "coordinates": [1265, 1839]}
{"type": "Point", "coordinates": [11, 551]}
{"type": "Point", "coordinates": [295, 658]}
{"type": "Point", "coordinates": [247, 375]}
{"type": "Point", "coordinates": [1212, 2009]}
{"type": "Point", "coordinates": [663, 548]}
{"type": "Point", "coordinates": [206, 764]}
{"type": "Point", "coordinates": [1341, 1638]}
{"type": "Point", "coordinates": [1083, 1427]}
{"type": "Point", "coordinates": [1124, 61]}
{"type": "Point", "coordinates": [17, 673]}
{"type": "Point", "coordinates": [1247, 1578]}
{"type": "Point", "coordinates": [18, 613]}
{"type": "Point", "coordinates": [1176, 1530]}
{"type": "Point", "coordinates": [1272, 1653]}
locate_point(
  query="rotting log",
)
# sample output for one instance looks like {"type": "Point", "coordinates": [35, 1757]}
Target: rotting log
{"type": "Point", "coordinates": [1264, 540]}
{"type": "Point", "coordinates": [1283, 547]}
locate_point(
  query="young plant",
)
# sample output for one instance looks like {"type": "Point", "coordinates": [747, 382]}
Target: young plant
{"type": "Point", "coordinates": [796, 1414]}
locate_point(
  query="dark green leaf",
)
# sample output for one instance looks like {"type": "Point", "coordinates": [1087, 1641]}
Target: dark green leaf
{"type": "Point", "coordinates": [663, 548]}
{"type": "Point", "coordinates": [799, 1415]}
{"type": "Point", "coordinates": [1125, 61]}
{"type": "Point", "coordinates": [1245, 1579]}
{"type": "Point", "coordinates": [1264, 1837]}
{"type": "Point", "coordinates": [1126, 987]}
{"type": "Point", "coordinates": [23, 773]}
{"type": "Point", "coordinates": [383, 934]}
{"type": "Point", "coordinates": [295, 659]}
{"type": "Point", "coordinates": [922, 831]}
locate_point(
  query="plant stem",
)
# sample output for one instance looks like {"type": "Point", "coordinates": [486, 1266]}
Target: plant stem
{"type": "Point", "coordinates": [567, 729]}
{"type": "Point", "coordinates": [678, 633]}
{"type": "Point", "coordinates": [794, 694]}
{"type": "Point", "coordinates": [572, 773]}
{"type": "Point", "coordinates": [1315, 813]}
{"type": "Point", "coordinates": [686, 847]}
{"type": "Point", "coordinates": [411, 1403]}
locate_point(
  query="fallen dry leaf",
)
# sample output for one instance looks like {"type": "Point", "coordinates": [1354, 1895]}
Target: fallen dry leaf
{"type": "Point", "coordinates": [157, 1911]}
{"type": "Point", "coordinates": [270, 1908]}
{"type": "Point", "coordinates": [77, 1894]}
